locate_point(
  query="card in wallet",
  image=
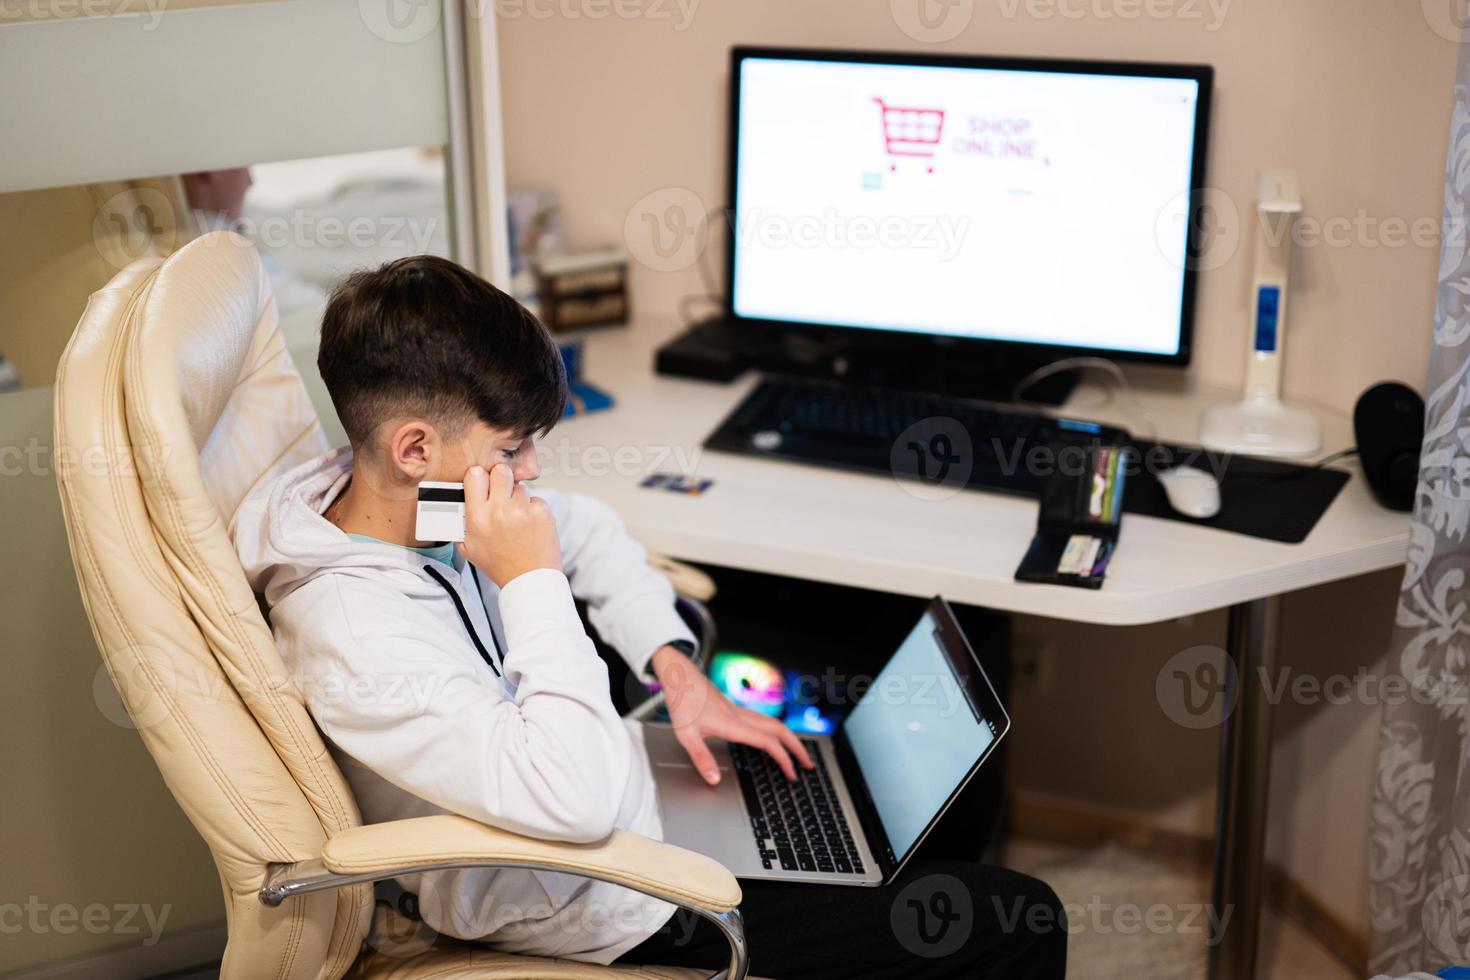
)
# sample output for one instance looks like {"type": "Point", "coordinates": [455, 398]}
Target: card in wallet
{"type": "Point", "coordinates": [1081, 511]}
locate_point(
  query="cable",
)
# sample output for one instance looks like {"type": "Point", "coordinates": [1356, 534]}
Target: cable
{"type": "Point", "coordinates": [1076, 363]}
{"type": "Point", "coordinates": [1239, 466]}
{"type": "Point", "coordinates": [1341, 454]}
{"type": "Point", "coordinates": [686, 306]}
{"type": "Point", "coordinates": [707, 277]}
{"type": "Point", "coordinates": [1116, 373]}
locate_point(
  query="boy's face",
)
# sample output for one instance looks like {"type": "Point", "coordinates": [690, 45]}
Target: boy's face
{"type": "Point", "coordinates": [416, 451]}
{"type": "Point", "coordinates": [480, 445]}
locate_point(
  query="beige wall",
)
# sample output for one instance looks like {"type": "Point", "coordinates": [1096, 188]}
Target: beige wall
{"type": "Point", "coordinates": [85, 819]}
{"type": "Point", "coordinates": [1355, 97]}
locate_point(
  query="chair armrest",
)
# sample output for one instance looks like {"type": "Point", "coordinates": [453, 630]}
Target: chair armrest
{"type": "Point", "coordinates": [622, 857]}
{"type": "Point", "coordinates": [386, 850]}
{"type": "Point", "coordinates": [375, 852]}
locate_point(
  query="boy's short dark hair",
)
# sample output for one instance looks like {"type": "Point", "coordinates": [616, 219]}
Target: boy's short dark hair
{"type": "Point", "coordinates": [425, 336]}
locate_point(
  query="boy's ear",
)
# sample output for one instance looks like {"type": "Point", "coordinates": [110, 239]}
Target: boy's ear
{"type": "Point", "coordinates": [411, 446]}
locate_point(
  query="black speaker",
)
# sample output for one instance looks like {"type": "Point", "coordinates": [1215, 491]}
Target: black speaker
{"type": "Point", "coordinates": [1388, 423]}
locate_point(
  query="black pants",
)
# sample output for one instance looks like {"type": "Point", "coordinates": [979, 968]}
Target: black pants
{"type": "Point", "coordinates": [941, 918]}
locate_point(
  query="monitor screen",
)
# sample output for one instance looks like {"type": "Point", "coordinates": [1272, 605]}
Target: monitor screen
{"type": "Point", "coordinates": [916, 735]}
{"type": "Point", "coordinates": [1038, 206]}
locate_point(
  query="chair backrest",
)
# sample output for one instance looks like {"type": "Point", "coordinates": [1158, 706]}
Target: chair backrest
{"type": "Point", "coordinates": [174, 399]}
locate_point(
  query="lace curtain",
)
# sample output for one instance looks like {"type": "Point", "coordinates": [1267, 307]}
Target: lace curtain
{"type": "Point", "coordinates": [1419, 861]}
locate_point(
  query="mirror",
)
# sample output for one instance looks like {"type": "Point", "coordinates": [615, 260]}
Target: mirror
{"type": "Point", "coordinates": [313, 221]}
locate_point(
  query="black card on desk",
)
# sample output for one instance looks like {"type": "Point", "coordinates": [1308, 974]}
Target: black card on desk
{"type": "Point", "coordinates": [1080, 514]}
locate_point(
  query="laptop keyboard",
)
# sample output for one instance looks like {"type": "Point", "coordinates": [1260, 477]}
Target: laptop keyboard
{"type": "Point", "coordinates": [798, 826]}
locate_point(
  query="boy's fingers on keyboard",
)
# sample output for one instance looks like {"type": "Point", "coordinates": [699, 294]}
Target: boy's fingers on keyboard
{"type": "Point", "coordinates": [771, 745]}
{"type": "Point", "coordinates": [699, 753]}
{"type": "Point", "coordinates": [793, 744]}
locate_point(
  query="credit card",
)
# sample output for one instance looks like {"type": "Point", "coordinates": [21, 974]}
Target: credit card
{"type": "Point", "coordinates": [1073, 553]}
{"type": "Point", "coordinates": [1115, 505]}
{"type": "Point", "coordinates": [1084, 567]}
{"type": "Point", "coordinates": [1110, 495]}
{"type": "Point", "coordinates": [1097, 502]}
{"type": "Point", "coordinates": [676, 484]}
{"type": "Point", "coordinates": [440, 514]}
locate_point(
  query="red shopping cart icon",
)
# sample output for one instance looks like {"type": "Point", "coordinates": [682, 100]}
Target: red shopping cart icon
{"type": "Point", "coordinates": [909, 131]}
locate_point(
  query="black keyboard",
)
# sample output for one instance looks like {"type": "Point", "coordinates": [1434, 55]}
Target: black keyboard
{"type": "Point", "coordinates": [798, 826]}
{"type": "Point", "coordinates": [975, 444]}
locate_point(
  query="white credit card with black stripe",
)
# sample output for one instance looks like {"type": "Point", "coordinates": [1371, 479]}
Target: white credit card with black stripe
{"type": "Point", "coordinates": [440, 512]}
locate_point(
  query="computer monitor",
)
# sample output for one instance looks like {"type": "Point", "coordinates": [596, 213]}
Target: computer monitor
{"type": "Point", "coordinates": [988, 204]}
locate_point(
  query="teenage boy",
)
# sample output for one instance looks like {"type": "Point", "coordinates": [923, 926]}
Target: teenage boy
{"type": "Point", "coordinates": [459, 678]}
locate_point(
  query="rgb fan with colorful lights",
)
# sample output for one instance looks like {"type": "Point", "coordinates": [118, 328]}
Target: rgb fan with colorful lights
{"type": "Point", "coordinates": [750, 682]}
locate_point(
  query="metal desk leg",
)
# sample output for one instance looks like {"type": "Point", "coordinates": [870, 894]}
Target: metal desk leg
{"type": "Point", "coordinates": [1245, 779]}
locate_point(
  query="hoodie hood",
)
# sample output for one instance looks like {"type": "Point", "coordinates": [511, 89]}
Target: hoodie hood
{"type": "Point", "coordinates": [284, 540]}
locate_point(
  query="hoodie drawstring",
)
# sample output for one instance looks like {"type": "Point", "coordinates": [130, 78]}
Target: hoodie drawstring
{"type": "Point", "coordinates": [465, 617]}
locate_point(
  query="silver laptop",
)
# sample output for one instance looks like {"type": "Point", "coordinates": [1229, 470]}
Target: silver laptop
{"type": "Point", "coordinates": [919, 733]}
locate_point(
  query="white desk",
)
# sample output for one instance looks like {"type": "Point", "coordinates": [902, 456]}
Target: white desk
{"type": "Point", "coordinates": [873, 532]}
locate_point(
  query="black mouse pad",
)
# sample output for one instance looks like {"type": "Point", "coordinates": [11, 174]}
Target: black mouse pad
{"type": "Point", "coordinates": [1260, 497]}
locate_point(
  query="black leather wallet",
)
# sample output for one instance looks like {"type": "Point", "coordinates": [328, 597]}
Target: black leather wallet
{"type": "Point", "coordinates": [1080, 516]}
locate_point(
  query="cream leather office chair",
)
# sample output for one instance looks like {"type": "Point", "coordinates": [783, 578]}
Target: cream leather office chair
{"type": "Point", "coordinates": [174, 399]}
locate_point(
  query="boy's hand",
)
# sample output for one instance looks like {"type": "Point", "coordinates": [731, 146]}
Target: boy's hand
{"type": "Point", "coordinates": [698, 711]}
{"type": "Point", "coordinates": [507, 531]}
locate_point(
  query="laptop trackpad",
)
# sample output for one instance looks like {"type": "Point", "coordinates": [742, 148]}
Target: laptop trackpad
{"type": "Point", "coordinates": [710, 820]}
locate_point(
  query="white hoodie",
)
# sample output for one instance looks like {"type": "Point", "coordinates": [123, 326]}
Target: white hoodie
{"type": "Point", "coordinates": [422, 723]}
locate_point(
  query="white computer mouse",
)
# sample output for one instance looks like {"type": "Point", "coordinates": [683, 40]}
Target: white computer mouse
{"type": "Point", "coordinates": [1192, 492]}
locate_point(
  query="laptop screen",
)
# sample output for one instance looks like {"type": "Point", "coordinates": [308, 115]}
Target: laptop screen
{"type": "Point", "coordinates": [917, 733]}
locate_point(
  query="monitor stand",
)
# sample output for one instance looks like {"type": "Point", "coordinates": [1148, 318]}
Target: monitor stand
{"type": "Point", "coordinates": [712, 351]}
